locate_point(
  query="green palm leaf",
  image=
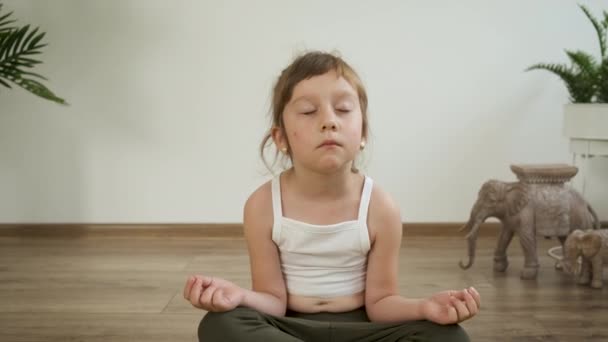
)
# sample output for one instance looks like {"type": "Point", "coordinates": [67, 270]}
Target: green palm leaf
{"type": "Point", "coordinates": [602, 88]}
{"type": "Point", "coordinates": [5, 22]}
{"type": "Point", "coordinates": [586, 79]}
{"type": "Point", "coordinates": [584, 62]}
{"type": "Point", "coordinates": [580, 86]}
{"type": "Point", "coordinates": [600, 29]}
{"type": "Point", "coordinates": [17, 46]}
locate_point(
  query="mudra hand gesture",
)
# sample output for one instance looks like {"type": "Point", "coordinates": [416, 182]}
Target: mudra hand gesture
{"type": "Point", "coordinates": [450, 307]}
{"type": "Point", "coordinates": [213, 294]}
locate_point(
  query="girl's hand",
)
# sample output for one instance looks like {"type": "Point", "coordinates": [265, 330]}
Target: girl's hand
{"type": "Point", "coordinates": [213, 294]}
{"type": "Point", "coordinates": [450, 307]}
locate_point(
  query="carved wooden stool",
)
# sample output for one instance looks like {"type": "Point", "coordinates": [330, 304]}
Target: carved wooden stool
{"type": "Point", "coordinates": [546, 183]}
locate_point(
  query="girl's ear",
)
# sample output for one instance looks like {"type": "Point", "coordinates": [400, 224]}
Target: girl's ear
{"type": "Point", "coordinates": [280, 141]}
{"type": "Point", "coordinates": [363, 141]}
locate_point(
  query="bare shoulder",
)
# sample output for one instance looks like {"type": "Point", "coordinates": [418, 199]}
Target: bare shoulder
{"type": "Point", "coordinates": [258, 210]}
{"type": "Point", "coordinates": [384, 215]}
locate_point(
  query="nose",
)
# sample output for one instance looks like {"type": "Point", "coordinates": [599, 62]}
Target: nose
{"type": "Point", "coordinates": [329, 126]}
{"type": "Point", "coordinates": [329, 121]}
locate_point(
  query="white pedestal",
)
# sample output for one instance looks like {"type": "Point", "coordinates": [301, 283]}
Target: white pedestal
{"type": "Point", "coordinates": [585, 149]}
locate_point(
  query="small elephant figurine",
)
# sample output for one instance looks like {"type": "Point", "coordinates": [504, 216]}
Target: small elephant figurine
{"type": "Point", "coordinates": [528, 210]}
{"type": "Point", "coordinates": [592, 246]}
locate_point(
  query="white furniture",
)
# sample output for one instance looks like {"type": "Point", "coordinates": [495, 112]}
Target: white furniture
{"type": "Point", "coordinates": [586, 149]}
{"type": "Point", "coordinates": [586, 125]}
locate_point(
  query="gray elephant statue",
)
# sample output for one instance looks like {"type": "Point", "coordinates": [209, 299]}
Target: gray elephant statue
{"type": "Point", "coordinates": [550, 210]}
{"type": "Point", "coordinates": [592, 247]}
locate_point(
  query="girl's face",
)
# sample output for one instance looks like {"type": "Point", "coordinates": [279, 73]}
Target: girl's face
{"type": "Point", "coordinates": [323, 124]}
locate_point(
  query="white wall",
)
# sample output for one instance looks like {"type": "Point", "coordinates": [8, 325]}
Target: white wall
{"type": "Point", "coordinates": [169, 102]}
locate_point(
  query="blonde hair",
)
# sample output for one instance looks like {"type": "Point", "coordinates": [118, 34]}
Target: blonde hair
{"type": "Point", "coordinates": [303, 67]}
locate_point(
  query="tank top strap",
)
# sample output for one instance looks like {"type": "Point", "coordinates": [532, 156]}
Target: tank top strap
{"type": "Point", "coordinates": [276, 207]}
{"type": "Point", "coordinates": [363, 209]}
{"type": "Point", "coordinates": [365, 197]}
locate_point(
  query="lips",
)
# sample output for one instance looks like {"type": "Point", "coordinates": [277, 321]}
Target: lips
{"type": "Point", "coordinates": [329, 142]}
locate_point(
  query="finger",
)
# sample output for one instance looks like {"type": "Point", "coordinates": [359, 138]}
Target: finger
{"type": "Point", "coordinates": [460, 295]}
{"type": "Point", "coordinates": [206, 281]}
{"type": "Point", "coordinates": [452, 293]}
{"type": "Point", "coordinates": [461, 308]}
{"type": "Point", "coordinates": [207, 296]}
{"type": "Point", "coordinates": [471, 304]}
{"type": "Point", "coordinates": [452, 316]}
{"type": "Point", "coordinates": [188, 287]}
{"type": "Point", "coordinates": [476, 296]}
{"type": "Point", "coordinates": [195, 293]}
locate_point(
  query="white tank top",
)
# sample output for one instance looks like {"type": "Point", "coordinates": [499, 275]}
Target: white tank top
{"type": "Point", "coordinates": [322, 260]}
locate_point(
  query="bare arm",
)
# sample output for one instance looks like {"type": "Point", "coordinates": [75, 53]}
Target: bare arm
{"type": "Point", "coordinates": [382, 300]}
{"type": "Point", "coordinates": [268, 292]}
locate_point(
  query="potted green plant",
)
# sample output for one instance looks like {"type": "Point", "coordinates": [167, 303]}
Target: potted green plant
{"type": "Point", "coordinates": [18, 45]}
{"type": "Point", "coordinates": [586, 116]}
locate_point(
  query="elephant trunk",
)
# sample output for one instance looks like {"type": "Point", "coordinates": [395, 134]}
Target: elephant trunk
{"type": "Point", "coordinates": [572, 251]}
{"type": "Point", "coordinates": [473, 227]}
{"type": "Point", "coordinates": [570, 262]}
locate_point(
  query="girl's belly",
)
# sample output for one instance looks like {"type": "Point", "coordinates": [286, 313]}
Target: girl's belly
{"type": "Point", "coordinates": [317, 304]}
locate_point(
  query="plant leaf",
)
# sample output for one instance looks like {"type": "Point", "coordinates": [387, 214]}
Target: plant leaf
{"type": "Point", "coordinates": [5, 22]}
{"type": "Point", "coordinates": [5, 83]}
{"type": "Point", "coordinates": [584, 62]}
{"type": "Point", "coordinates": [34, 75]}
{"type": "Point", "coordinates": [39, 89]}
{"type": "Point", "coordinates": [6, 43]}
{"type": "Point", "coordinates": [28, 61]}
{"type": "Point", "coordinates": [16, 46]}
{"type": "Point", "coordinates": [599, 29]}
{"type": "Point", "coordinates": [579, 85]}
{"type": "Point", "coordinates": [602, 88]}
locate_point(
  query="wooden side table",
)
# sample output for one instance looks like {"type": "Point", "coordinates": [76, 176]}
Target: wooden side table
{"type": "Point", "coordinates": [544, 173]}
{"type": "Point", "coordinates": [546, 185]}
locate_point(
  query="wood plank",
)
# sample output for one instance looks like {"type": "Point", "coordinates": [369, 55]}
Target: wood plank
{"type": "Point", "coordinates": [207, 230]}
{"type": "Point", "coordinates": [126, 288]}
{"type": "Point", "coordinates": [98, 327]}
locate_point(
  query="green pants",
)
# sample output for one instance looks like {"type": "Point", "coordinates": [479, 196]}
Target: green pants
{"type": "Point", "coordinates": [245, 324]}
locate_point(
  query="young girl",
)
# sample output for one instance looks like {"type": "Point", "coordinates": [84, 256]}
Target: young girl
{"type": "Point", "coordinates": [323, 239]}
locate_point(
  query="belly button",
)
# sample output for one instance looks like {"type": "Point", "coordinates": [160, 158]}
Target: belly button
{"type": "Point", "coordinates": [323, 302]}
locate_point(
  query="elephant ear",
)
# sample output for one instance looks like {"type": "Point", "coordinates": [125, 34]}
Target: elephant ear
{"type": "Point", "coordinates": [572, 242]}
{"type": "Point", "coordinates": [571, 252]}
{"type": "Point", "coordinates": [591, 244]}
{"type": "Point", "coordinates": [490, 191]}
{"type": "Point", "coordinates": [516, 198]}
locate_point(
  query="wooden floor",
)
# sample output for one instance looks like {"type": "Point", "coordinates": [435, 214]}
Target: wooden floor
{"type": "Point", "coordinates": [130, 288]}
